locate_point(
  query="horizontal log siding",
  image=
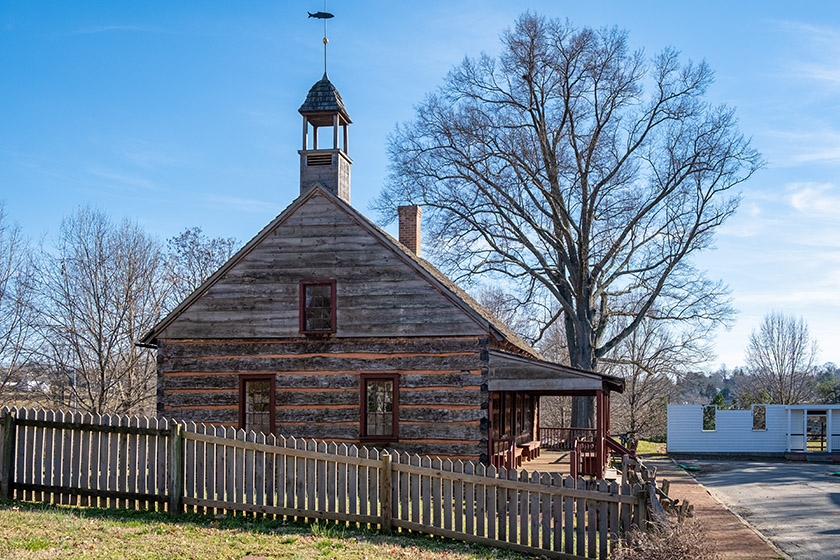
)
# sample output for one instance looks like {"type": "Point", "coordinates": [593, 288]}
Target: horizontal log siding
{"type": "Point", "coordinates": [379, 293]}
{"type": "Point", "coordinates": [317, 387]}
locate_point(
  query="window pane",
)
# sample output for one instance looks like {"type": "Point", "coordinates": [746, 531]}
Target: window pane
{"type": "Point", "coordinates": [318, 307]}
{"type": "Point", "coordinates": [258, 406]}
{"type": "Point", "coordinates": [380, 407]}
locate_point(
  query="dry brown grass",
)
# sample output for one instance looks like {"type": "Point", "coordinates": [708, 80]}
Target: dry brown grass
{"type": "Point", "coordinates": [686, 540]}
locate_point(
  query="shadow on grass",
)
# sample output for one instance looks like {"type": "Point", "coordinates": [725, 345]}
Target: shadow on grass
{"type": "Point", "coordinates": [266, 525]}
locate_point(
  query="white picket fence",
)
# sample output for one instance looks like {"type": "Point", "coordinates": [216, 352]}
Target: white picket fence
{"type": "Point", "coordinates": [150, 463]}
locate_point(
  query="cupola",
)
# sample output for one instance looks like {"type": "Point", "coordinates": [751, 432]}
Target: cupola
{"type": "Point", "coordinates": [324, 160]}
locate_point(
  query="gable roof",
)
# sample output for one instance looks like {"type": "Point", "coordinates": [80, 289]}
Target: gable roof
{"type": "Point", "coordinates": [447, 287]}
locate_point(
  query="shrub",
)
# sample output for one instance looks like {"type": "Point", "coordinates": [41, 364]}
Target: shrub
{"type": "Point", "coordinates": [686, 540]}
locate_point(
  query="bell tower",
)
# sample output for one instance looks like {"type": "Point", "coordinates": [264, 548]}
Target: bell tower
{"type": "Point", "coordinates": [323, 158]}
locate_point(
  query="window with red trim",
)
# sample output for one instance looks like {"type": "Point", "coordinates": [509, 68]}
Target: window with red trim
{"type": "Point", "coordinates": [380, 407]}
{"type": "Point", "coordinates": [317, 307]}
{"type": "Point", "coordinates": [256, 403]}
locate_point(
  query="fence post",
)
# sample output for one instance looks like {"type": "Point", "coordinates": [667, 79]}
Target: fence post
{"type": "Point", "coordinates": [385, 488]}
{"type": "Point", "coordinates": [7, 446]}
{"type": "Point", "coordinates": [176, 464]}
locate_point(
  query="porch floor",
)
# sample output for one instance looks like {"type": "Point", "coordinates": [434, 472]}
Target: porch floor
{"type": "Point", "coordinates": [550, 462]}
{"type": "Point", "coordinates": [559, 462]}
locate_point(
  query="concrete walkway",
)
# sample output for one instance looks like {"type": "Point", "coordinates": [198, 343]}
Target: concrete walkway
{"type": "Point", "coordinates": [730, 536]}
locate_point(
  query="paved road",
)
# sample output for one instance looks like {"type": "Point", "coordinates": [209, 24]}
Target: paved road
{"type": "Point", "coordinates": [795, 505]}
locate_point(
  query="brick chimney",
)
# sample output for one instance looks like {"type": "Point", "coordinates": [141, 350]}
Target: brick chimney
{"type": "Point", "coordinates": [410, 227]}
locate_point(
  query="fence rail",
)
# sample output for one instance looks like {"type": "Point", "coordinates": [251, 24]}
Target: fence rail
{"type": "Point", "coordinates": [150, 463]}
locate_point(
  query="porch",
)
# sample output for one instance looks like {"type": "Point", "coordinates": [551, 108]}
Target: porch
{"type": "Point", "coordinates": [516, 439]}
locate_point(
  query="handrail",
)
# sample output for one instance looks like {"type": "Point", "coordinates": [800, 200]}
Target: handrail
{"type": "Point", "coordinates": [613, 445]}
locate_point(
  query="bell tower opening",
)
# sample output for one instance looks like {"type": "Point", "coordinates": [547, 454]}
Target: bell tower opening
{"type": "Point", "coordinates": [323, 156]}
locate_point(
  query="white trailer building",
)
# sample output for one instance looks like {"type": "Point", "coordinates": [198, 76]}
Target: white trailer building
{"type": "Point", "coordinates": [771, 429]}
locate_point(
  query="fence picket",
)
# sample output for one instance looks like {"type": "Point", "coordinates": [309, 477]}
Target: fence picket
{"type": "Point", "coordinates": [534, 498]}
{"type": "Point", "coordinates": [545, 515]}
{"type": "Point", "coordinates": [415, 491]}
{"type": "Point", "coordinates": [569, 517]}
{"type": "Point", "coordinates": [426, 492]}
{"type": "Point", "coordinates": [332, 482]}
{"type": "Point", "coordinates": [373, 484]}
{"type": "Point", "coordinates": [491, 502]}
{"type": "Point", "coordinates": [38, 456]}
{"type": "Point", "coordinates": [603, 518]}
{"type": "Point", "coordinates": [469, 500]}
{"type": "Point", "coordinates": [311, 504]}
{"type": "Point", "coordinates": [436, 494]}
{"type": "Point", "coordinates": [513, 508]}
{"type": "Point", "coordinates": [26, 454]}
{"type": "Point", "coordinates": [502, 506]}
{"type": "Point", "coordinates": [71, 437]}
{"type": "Point", "coordinates": [480, 506]}
{"type": "Point", "coordinates": [249, 476]}
{"type": "Point", "coordinates": [342, 479]}
{"type": "Point", "coordinates": [321, 479]}
{"type": "Point", "coordinates": [557, 513]}
{"type": "Point", "coordinates": [75, 445]}
{"type": "Point", "coordinates": [458, 496]}
{"type": "Point", "coordinates": [405, 510]}
{"type": "Point", "coordinates": [447, 496]}
{"type": "Point", "coordinates": [270, 467]}
{"type": "Point", "coordinates": [352, 479]}
{"type": "Point", "coordinates": [363, 484]}
{"type": "Point", "coordinates": [581, 520]}
{"type": "Point", "coordinates": [49, 467]}
{"type": "Point", "coordinates": [523, 510]}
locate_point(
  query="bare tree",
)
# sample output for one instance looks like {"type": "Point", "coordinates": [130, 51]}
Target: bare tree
{"type": "Point", "coordinates": [651, 360]}
{"type": "Point", "coordinates": [586, 173]}
{"type": "Point", "coordinates": [16, 310]}
{"type": "Point", "coordinates": [192, 258]}
{"type": "Point", "coordinates": [783, 356]}
{"type": "Point", "coordinates": [101, 290]}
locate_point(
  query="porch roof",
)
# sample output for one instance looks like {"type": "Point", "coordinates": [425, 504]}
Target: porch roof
{"type": "Point", "coordinates": [511, 372]}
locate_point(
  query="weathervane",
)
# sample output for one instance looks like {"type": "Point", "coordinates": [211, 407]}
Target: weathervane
{"type": "Point", "coordinates": [325, 15]}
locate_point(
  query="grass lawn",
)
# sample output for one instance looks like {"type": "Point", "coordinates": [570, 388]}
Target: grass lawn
{"type": "Point", "coordinates": [650, 448]}
{"type": "Point", "coordinates": [32, 530]}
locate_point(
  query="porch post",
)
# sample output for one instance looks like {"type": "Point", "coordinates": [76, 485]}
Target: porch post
{"type": "Point", "coordinates": [599, 432]}
{"type": "Point", "coordinates": [789, 438]}
{"type": "Point", "coordinates": [805, 429]}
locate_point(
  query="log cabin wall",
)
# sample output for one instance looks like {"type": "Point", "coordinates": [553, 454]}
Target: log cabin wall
{"type": "Point", "coordinates": [391, 317]}
{"type": "Point", "coordinates": [442, 408]}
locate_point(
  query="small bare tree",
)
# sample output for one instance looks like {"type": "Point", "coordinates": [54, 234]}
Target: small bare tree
{"type": "Point", "coordinates": [651, 360]}
{"type": "Point", "coordinates": [587, 173]}
{"type": "Point", "coordinates": [16, 309]}
{"type": "Point", "coordinates": [783, 356]}
{"type": "Point", "coordinates": [192, 257]}
{"type": "Point", "coordinates": [102, 289]}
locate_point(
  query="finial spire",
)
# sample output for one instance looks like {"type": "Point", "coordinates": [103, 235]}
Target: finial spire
{"type": "Point", "coordinates": [325, 15]}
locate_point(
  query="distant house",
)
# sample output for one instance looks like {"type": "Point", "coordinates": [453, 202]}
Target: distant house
{"type": "Point", "coordinates": [323, 326]}
{"type": "Point", "coordinates": [802, 430]}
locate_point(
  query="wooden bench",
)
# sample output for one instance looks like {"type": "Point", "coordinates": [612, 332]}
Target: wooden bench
{"type": "Point", "coordinates": [529, 449]}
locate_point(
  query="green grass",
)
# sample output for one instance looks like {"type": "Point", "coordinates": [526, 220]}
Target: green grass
{"type": "Point", "coordinates": [39, 531]}
{"type": "Point", "coordinates": [650, 448]}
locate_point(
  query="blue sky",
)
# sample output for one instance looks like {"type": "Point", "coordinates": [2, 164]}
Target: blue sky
{"type": "Point", "coordinates": [178, 114]}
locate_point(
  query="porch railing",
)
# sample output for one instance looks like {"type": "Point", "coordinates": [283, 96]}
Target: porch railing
{"type": "Point", "coordinates": [563, 439]}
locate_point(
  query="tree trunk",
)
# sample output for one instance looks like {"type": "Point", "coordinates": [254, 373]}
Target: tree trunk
{"type": "Point", "coordinates": [581, 356]}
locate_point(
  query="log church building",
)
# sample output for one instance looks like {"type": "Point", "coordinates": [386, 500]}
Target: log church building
{"type": "Point", "coordinates": [324, 326]}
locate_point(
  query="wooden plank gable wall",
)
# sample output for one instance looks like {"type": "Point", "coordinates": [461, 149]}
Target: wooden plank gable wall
{"type": "Point", "coordinates": [389, 320]}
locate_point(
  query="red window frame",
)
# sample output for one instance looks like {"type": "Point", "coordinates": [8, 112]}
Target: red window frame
{"type": "Point", "coordinates": [272, 404]}
{"type": "Point", "coordinates": [302, 306]}
{"type": "Point", "coordinates": [363, 381]}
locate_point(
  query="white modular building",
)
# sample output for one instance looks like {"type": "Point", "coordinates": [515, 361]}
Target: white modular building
{"type": "Point", "coordinates": [764, 429]}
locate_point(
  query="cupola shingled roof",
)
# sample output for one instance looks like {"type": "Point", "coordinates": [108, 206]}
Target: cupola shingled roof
{"type": "Point", "coordinates": [323, 97]}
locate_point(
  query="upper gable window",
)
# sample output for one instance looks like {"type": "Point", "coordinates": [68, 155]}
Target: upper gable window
{"type": "Point", "coordinates": [317, 307]}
